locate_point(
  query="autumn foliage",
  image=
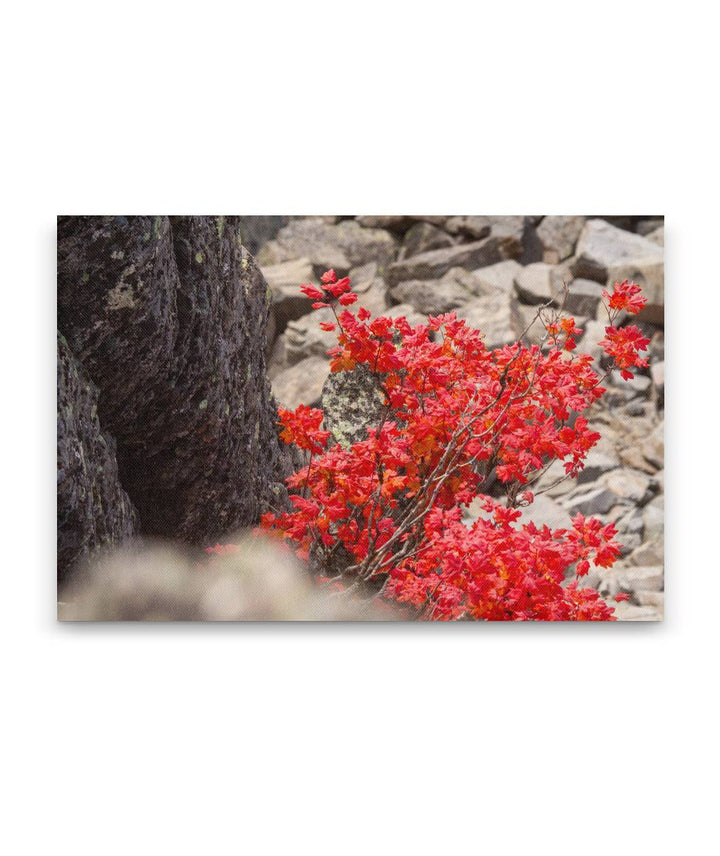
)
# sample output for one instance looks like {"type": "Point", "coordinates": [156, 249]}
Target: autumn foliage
{"type": "Point", "coordinates": [384, 518]}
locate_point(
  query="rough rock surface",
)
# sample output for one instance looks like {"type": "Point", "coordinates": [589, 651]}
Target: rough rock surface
{"type": "Point", "coordinates": [167, 317]}
{"type": "Point", "coordinates": [284, 281]}
{"type": "Point", "coordinates": [607, 254]}
{"type": "Point", "coordinates": [500, 276]}
{"type": "Point", "coordinates": [491, 315]}
{"type": "Point", "coordinates": [432, 297]}
{"type": "Point", "coordinates": [433, 264]}
{"type": "Point", "coordinates": [423, 237]}
{"type": "Point", "coordinates": [340, 246]}
{"type": "Point", "coordinates": [583, 297]}
{"type": "Point", "coordinates": [558, 236]}
{"type": "Point", "coordinates": [254, 231]}
{"type": "Point", "coordinates": [352, 402]}
{"type": "Point", "coordinates": [536, 283]}
{"type": "Point", "coordinates": [301, 383]}
{"type": "Point", "coordinates": [93, 509]}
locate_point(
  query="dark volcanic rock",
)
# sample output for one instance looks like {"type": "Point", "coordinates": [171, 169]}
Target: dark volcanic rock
{"type": "Point", "coordinates": [167, 316]}
{"type": "Point", "coordinates": [93, 510]}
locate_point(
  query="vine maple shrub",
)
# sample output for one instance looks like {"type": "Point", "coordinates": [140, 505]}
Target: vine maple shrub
{"type": "Point", "coordinates": [386, 513]}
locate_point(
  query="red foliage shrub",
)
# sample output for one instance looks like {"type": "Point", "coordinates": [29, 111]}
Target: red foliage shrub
{"type": "Point", "coordinates": [456, 414]}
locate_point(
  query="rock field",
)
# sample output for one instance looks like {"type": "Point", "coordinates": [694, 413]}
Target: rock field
{"type": "Point", "coordinates": [494, 271]}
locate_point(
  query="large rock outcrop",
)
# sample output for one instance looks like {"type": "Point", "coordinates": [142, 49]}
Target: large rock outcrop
{"type": "Point", "coordinates": [93, 509]}
{"type": "Point", "coordinates": [167, 316]}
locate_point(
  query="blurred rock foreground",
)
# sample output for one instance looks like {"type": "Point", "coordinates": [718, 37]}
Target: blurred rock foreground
{"type": "Point", "coordinates": [175, 345]}
{"type": "Point", "coordinates": [254, 581]}
{"type": "Point", "coordinates": [494, 271]}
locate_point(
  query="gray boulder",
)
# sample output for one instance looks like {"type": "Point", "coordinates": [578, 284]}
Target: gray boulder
{"type": "Point", "coordinates": [500, 276]}
{"type": "Point", "coordinates": [284, 281]}
{"type": "Point", "coordinates": [423, 237]}
{"type": "Point", "coordinates": [607, 255]}
{"type": "Point", "coordinates": [341, 246]}
{"type": "Point", "coordinates": [474, 228]}
{"type": "Point", "coordinates": [301, 383]}
{"type": "Point", "coordinates": [520, 229]}
{"type": "Point", "coordinates": [558, 236]}
{"type": "Point", "coordinates": [433, 264]}
{"type": "Point", "coordinates": [595, 500]}
{"type": "Point", "coordinates": [583, 297]}
{"type": "Point", "coordinates": [491, 315]}
{"type": "Point", "coordinates": [352, 402]}
{"type": "Point", "coordinates": [536, 283]}
{"type": "Point", "coordinates": [630, 485]}
{"type": "Point", "coordinates": [432, 297]}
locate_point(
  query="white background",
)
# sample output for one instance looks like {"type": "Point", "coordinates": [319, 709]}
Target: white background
{"type": "Point", "coordinates": [358, 739]}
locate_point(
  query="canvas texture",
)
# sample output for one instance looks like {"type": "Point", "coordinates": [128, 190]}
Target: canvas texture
{"type": "Point", "coordinates": [360, 418]}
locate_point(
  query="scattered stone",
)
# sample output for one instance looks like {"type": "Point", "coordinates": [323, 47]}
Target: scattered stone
{"type": "Point", "coordinates": [593, 332]}
{"type": "Point", "coordinates": [341, 246]}
{"type": "Point", "coordinates": [651, 598]}
{"type": "Point", "coordinates": [647, 226]}
{"type": "Point", "coordinates": [601, 459]}
{"type": "Point", "coordinates": [630, 578]}
{"type": "Point", "coordinates": [399, 223]}
{"type": "Point", "coordinates": [434, 264]}
{"type": "Point", "coordinates": [492, 316]}
{"type": "Point", "coordinates": [630, 529]}
{"type": "Point", "coordinates": [433, 297]}
{"type": "Point", "coordinates": [301, 383]}
{"type": "Point", "coordinates": [583, 297]}
{"type": "Point", "coordinates": [639, 384]}
{"type": "Point", "coordinates": [284, 281]}
{"type": "Point", "coordinates": [304, 338]}
{"type": "Point", "coordinates": [558, 236]}
{"type": "Point", "coordinates": [525, 322]}
{"type": "Point", "coordinates": [631, 485]}
{"type": "Point", "coordinates": [607, 254]}
{"type": "Point", "coordinates": [650, 553]}
{"type": "Point", "coordinates": [625, 611]}
{"type": "Point", "coordinates": [423, 237]}
{"type": "Point", "coordinates": [535, 284]}
{"type": "Point", "coordinates": [635, 408]}
{"type": "Point", "coordinates": [654, 518]}
{"type": "Point", "coordinates": [653, 446]}
{"type": "Point", "coordinates": [544, 511]}
{"type": "Point", "coordinates": [522, 230]}
{"type": "Point", "coordinates": [553, 484]}
{"type": "Point", "coordinates": [632, 456]}
{"type": "Point", "coordinates": [658, 236]}
{"type": "Point", "coordinates": [500, 276]}
{"type": "Point", "coordinates": [657, 373]}
{"type": "Point", "coordinates": [471, 227]}
{"type": "Point", "coordinates": [597, 500]}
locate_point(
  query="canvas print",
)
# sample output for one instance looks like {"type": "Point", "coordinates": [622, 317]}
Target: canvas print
{"type": "Point", "coordinates": [360, 418]}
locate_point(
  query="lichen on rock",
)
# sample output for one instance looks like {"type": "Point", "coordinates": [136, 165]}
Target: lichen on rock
{"type": "Point", "coordinates": [352, 402]}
